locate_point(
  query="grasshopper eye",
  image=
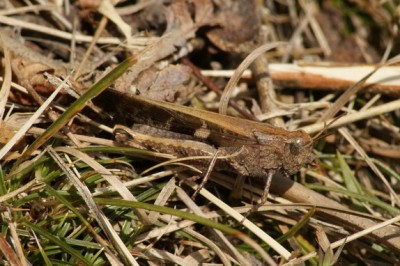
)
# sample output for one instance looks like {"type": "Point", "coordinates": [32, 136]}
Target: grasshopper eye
{"type": "Point", "coordinates": [294, 147]}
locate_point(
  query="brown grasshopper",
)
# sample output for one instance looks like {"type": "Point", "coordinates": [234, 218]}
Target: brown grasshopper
{"type": "Point", "coordinates": [252, 149]}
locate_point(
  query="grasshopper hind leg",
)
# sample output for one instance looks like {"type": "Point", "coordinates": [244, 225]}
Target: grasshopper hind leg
{"type": "Point", "coordinates": [264, 197]}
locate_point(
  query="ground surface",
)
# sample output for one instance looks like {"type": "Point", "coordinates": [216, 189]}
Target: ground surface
{"type": "Point", "coordinates": [80, 185]}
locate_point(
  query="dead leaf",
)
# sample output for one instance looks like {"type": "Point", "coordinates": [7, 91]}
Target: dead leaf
{"type": "Point", "coordinates": [163, 84]}
{"type": "Point", "coordinates": [240, 27]}
{"type": "Point", "coordinates": [180, 28]}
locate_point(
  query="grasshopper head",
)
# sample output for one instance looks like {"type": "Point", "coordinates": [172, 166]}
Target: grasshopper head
{"type": "Point", "coordinates": [298, 151]}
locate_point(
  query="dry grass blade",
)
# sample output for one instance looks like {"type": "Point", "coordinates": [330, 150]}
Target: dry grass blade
{"type": "Point", "coordinates": [299, 193]}
{"type": "Point", "coordinates": [98, 214]}
{"type": "Point", "coordinates": [190, 158]}
{"type": "Point", "coordinates": [348, 239]}
{"type": "Point", "coordinates": [6, 86]}
{"type": "Point", "coordinates": [26, 9]}
{"type": "Point", "coordinates": [162, 199]}
{"type": "Point", "coordinates": [193, 217]}
{"type": "Point", "coordinates": [218, 235]}
{"type": "Point", "coordinates": [354, 117]}
{"type": "Point", "coordinates": [108, 10]}
{"type": "Point", "coordinates": [158, 254]}
{"type": "Point", "coordinates": [327, 77]}
{"type": "Point", "coordinates": [82, 64]}
{"type": "Point", "coordinates": [374, 168]}
{"type": "Point", "coordinates": [22, 131]}
{"type": "Point", "coordinates": [8, 253]}
{"type": "Point", "coordinates": [13, 228]}
{"type": "Point", "coordinates": [18, 191]}
{"type": "Point", "coordinates": [239, 71]}
{"type": "Point", "coordinates": [343, 99]}
{"type": "Point", "coordinates": [112, 179]}
{"type": "Point", "coordinates": [45, 257]}
{"type": "Point", "coordinates": [61, 34]}
{"type": "Point", "coordinates": [240, 218]}
{"type": "Point", "coordinates": [140, 180]}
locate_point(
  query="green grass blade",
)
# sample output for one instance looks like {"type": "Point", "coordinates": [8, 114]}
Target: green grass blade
{"type": "Point", "coordinates": [62, 244]}
{"type": "Point", "coordinates": [185, 215]}
{"type": "Point", "coordinates": [293, 231]}
{"type": "Point", "coordinates": [78, 105]}
{"type": "Point", "coordinates": [367, 198]}
{"type": "Point", "coordinates": [166, 210]}
{"type": "Point", "coordinates": [349, 179]}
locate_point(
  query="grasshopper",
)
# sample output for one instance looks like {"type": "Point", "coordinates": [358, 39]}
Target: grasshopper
{"type": "Point", "coordinates": [249, 148]}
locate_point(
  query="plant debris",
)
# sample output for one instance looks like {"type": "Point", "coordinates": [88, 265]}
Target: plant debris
{"type": "Point", "coordinates": [72, 192]}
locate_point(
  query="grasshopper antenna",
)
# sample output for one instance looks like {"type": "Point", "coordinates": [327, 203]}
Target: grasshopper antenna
{"type": "Point", "coordinates": [322, 134]}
